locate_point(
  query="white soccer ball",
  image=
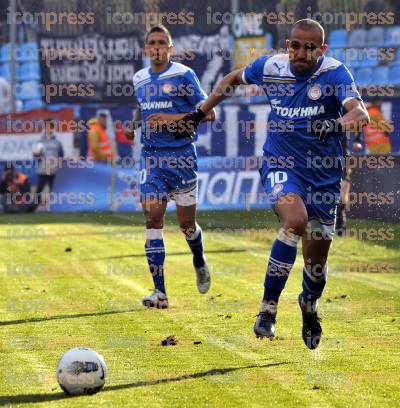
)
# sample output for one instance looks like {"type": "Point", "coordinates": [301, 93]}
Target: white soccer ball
{"type": "Point", "coordinates": [38, 149]}
{"type": "Point", "coordinates": [81, 371]}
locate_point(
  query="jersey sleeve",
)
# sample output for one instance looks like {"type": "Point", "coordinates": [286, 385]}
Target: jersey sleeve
{"type": "Point", "coordinates": [194, 93]}
{"type": "Point", "coordinates": [134, 82]}
{"type": "Point", "coordinates": [134, 91]}
{"type": "Point", "coordinates": [253, 73]}
{"type": "Point", "coordinates": [345, 87]}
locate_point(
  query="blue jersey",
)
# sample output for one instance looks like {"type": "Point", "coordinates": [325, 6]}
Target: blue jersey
{"type": "Point", "coordinates": [174, 90]}
{"type": "Point", "coordinates": [294, 101]}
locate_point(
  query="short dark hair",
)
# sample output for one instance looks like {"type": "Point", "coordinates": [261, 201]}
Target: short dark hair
{"type": "Point", "coordinates": [51, 121]}
{"type": "Point", "coordinates": [307, 24]}
{"type": "Point", "coordinates": [158, 29]}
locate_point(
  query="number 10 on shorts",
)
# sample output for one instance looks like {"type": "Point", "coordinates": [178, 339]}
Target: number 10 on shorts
{"type": "Point", "coordinates": [277, 177]}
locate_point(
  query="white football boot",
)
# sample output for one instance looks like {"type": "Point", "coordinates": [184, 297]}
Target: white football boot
{"type": "Point", "coordinates": [203, 278]}
{"type": "Point", "coordinates": [156, 299]}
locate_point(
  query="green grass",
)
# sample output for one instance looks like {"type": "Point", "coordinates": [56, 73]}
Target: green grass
{"type": "Point", "coordinates": [53, 300]}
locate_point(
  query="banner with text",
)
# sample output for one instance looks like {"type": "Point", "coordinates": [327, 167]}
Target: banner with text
{"type": "Point", "coordinates": [20, 131]}
{"type": "Point", "coordinates": [89, 68]}
{"type": "Point", "coordinates": [208, 55]}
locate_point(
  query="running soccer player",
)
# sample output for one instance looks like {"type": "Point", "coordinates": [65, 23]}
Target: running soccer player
{"type": "Point", "coordinates": [316, 100]}
{"type": "Point", "coordinates": [165, 92]}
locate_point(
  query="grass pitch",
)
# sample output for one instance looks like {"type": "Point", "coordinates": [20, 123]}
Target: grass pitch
{"type": "Point", "coordinates": [72, 280]}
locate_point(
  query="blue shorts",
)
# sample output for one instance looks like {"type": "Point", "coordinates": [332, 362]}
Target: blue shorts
{"type": "Point", "coordinates": [320, 203]}
{"type": "Point", "coordinates": [169, 174]}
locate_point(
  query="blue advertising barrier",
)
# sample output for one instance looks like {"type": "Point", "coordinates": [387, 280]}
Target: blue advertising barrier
{"type": "Point", "coordinates": [232, 183]}
{"type": "Point", "coordinates": [224, 183]}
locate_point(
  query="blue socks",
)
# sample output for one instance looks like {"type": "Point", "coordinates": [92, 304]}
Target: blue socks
{"type": "Point", "coordinates": [314, 281]}
{"type": "Point", "coordinates": [155, 253]}
{"type": "Point", "coordinates": [282, 258]}
{"type": "Point", "coordinates": [195, 242]}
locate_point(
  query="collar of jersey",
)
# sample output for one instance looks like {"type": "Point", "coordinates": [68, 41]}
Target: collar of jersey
{"type": "Point", "coordinates": [304, 77]}
{"type": "Point", "coordinates": [161, 72]}
{"type": "Point", "coordinates": [52, 136]}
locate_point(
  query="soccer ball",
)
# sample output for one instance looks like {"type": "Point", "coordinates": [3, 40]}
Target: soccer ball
{"type": "Point", "coordinates": [38, 149]}
{"type": "Point", "coordinates": [81, 371]}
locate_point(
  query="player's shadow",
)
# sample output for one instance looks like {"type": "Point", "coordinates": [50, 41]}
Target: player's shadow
{"type": "Point", "coordinates": [35, 398]}
{"type": "Point", "coordinates": [142, 255]}
{"type": "Point", "coordinates": [66, 316]}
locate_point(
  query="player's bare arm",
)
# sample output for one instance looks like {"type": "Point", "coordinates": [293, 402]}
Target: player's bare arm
{"type": "Point", "coordinates": [169, 118]}
{"type": "Point", "coordinates": [223, 90]}
{"type": "Point", "coordinates": [356, 116]}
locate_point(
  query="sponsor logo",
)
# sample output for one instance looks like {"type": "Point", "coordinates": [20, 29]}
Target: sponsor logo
{"type": "Point", "coordinates": [167, 88]}
{"type": "Point", "coordinates": [156, 105]}
{"type": "Point", "coordinates": [304, 111]}
{"type": "Point", "coordinates": [314, 92]}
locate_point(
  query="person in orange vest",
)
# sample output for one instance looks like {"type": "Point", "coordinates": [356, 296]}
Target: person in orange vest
{"type": "Point", "coordinates": [376, 133]}
{"type": "Point", "coordinates": [99, 144]}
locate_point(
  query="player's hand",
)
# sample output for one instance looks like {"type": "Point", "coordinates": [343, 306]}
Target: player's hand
{"type": "Point", "coordinates": [325, 128]}
{"type": "Point", "coordinates": [357, 146]}
{"type": "Point", "coordinates": [188, 125]}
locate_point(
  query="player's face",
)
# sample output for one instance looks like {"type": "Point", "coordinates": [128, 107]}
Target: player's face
{"type": "Point", "coordinates": [158, 48]}
{"type": "Point", "coordinates": [102, 121]}
{"type": "Point", "coordinates": [305, 48]}
{"type": "Point", "coordinates": [49, 127]}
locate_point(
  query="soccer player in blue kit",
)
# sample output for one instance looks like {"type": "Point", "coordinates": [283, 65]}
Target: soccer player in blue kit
{"type": "Point", "coordinates": [165, 92]}
{"type": "Point", "coordinates": [314, 101]}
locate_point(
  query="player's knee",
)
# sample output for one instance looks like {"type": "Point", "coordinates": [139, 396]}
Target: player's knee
{"type": "Point", "coordinates": [154, 221]}
{"type": "Point", "coordinates": [296, 224]}
{"type": "Point", "coordinates": [187, 226]}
